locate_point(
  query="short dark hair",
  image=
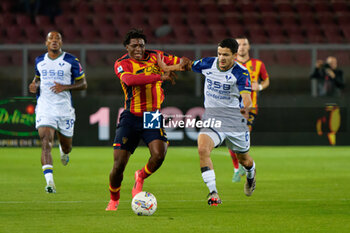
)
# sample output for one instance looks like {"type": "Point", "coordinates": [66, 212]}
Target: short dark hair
{"type": "Point", "coordinates": [241, 37]}
{"type": "Point", "coordinates": [134, 33]}
{"type": "Point", "coordinates": [229, 43]}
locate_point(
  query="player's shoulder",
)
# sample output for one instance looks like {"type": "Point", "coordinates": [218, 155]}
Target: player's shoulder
{"type": "Point", "coordinates": [205, 62]}
{"type": "Point", "coordinates": [123, 59]}
{"type": "Point", "coordinates": [40, 58]}
{"type": "Point", "coordinates": [256, 60]}
{"type": "Point", "coordinates": [239, 70]}
{"type": "Point", "coordinates": [70, 58]}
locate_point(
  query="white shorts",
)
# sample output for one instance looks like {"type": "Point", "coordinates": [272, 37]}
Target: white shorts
{"type": "Point", "coordinates": [64, 125]}
{"type": "Point", "coordinates": [238, 142]}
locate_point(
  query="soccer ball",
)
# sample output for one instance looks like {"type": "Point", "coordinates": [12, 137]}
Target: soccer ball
{"type": "Point", "coordinates": [144, 203]}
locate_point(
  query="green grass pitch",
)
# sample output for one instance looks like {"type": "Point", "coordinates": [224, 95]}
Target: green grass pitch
{"type": "Point", "coordinates": [299, 189]}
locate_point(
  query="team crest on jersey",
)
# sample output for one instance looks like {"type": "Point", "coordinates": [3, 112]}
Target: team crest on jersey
{"type": "Point", "coordinates": [228, 77]}
{"type": "Point", "coordinates": [61, 64]}
{"type": "Point", "coordinates": [120, 69]}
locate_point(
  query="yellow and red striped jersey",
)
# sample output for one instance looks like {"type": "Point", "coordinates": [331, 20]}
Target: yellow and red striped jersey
{"type": "Point", "coordinates": [141, 82]}
{"type": "Point", "coordinates": [257, 71]}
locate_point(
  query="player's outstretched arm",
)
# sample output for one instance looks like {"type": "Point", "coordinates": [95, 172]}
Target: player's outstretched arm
{"type": "Point", "coordinates": [79, 85]}
{"type": "Point", "coordinates": [182, 66]}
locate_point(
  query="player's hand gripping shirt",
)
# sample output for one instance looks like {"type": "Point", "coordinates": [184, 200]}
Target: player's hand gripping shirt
{"type": "Point", "coordinates": [141, 82]}
{"type": "Point", "coordinates": [64, 70]}
{"type": "Point", "coordinates": [257, 71]}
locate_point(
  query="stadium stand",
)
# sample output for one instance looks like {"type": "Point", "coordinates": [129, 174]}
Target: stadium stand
{"type": "Point", "coordinates": [189, 21]}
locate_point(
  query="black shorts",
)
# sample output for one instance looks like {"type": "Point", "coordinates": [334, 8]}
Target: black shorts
{"type": "Point", "coordinates": [130, 130]}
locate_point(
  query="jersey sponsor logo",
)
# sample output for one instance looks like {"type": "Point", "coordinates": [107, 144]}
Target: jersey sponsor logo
{"type": "Point", "coordinates": [151, 120]}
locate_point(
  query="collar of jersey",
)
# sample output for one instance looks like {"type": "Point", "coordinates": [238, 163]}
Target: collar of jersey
{"type": "Point", "coordinates": [218, 67]}
{"type": "Point", "coordinates": [56, 57]}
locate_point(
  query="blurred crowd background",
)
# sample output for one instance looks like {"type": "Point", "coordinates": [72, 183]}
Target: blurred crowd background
{"type": "Point", "coordinates": [289, 36]}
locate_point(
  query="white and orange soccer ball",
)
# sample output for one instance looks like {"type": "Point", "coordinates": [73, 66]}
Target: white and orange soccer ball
{"type": "Point", "coordinates": [144, 203]}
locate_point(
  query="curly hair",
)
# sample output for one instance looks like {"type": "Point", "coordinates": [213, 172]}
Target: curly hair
{"type": "Point", "coordinates": [134, 33]}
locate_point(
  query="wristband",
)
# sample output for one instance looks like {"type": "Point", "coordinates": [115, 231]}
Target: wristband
{"type": "Point", "coordinates": [260, 87]}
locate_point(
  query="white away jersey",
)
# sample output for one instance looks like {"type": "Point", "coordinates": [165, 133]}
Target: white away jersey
{"type": "Point", "coordinates": [222, 88]}
{"type": "Point", "coordinates": [65, 70]}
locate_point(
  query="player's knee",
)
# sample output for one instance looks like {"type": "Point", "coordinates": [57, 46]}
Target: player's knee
{"type": "Point", "coordinates": [158, 156]}
{"type": "Point", "coordinates": [66, 148]}
{"type": "Point", "coordinates": [203, 151]}
{"type": "Point", "coordinates": [46, 141]}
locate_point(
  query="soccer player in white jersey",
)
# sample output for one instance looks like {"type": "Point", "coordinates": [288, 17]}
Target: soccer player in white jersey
{"type": "Point", "coordinates": [57, 73]}
{"type": "Point", "coordinates": [227, 92]}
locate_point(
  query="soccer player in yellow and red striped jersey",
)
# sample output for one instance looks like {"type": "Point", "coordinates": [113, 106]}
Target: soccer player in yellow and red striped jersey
{"type": "Point", "coordinates": [259, 79]}
{"type": "Point", "coordinates": [141, 79]}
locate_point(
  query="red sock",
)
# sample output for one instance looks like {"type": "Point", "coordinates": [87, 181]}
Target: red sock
{"type": "Point", "coordinates": [115, 193]}
{"type": "Point", "coordinates": [145, 172]}
{"type": "Point", "coordinates": [234, 159]}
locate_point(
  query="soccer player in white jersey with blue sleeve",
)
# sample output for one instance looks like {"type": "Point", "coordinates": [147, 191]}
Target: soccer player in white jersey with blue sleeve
{"type": "Point", "coordinates": [227, 90]}
{"type": "Point", "coordinates": [57, 73]}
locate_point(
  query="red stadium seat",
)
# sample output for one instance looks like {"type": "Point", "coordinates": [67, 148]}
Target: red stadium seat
{"type": "Point", "coordinates": [100, 20]}
{"type": "Point", "coordinates": [33, 34]}
{"type": "Point", "coordinates": [107, 34]}
{"type": "Point", "coordinates": [248, 7]}
{"type": "Point", "coordinates": [211, 8]}
{"type": "Point", "coordinates": [314, 35]}
{"type": "Point", "coordinates": [266, 7]}
{"type": "Point", "coordinates": [346, 33]}
{"type": "Point", "coordinates": [275, 35]}
{"type": "Point", "coordinates": [43, 21]}
{"type": "Point", "coordinates": [340, 6]}
{"type": "Point", "coordinates": [322, 7]}
{"type": "Point", "coordinates": [138, 21]}
{"type": "Point", "coordinates": [173, 8]}
{"type": "Point", "coordinates": [332, 34]}
{"type": "Point", "coordinates": [284, 7]}
{"type": "Point", "coordinates": [100, 8]}
{"type": "Point", "coordinates": [154, 8]}
{"type": "Point", "coordinates": [212, 19]}
{"type": "Point", "coordinates": [89, 34]}
{"type": "Point", "coordinates": [182, 35]}
{"type": "Point", "coordinates": [63, 20]}
{"type": "Point", "coordinates": [194, 20]}
{"type": "Point", "coordinates": [120, 20]}
{"type": "Point", "coordinates": [175, 20]}
{"type": "Point", "coordinates": [218, 32]}
{"type": "Point", "coordinates": [201, 34]}
{"type": "Point", "coordinates": [288, 21]}
{"type": "Point", "coordinates": [14, 35]}
{"type": "Point", "coordinates": [7, 19]}
{"type": "Point", "coordinates": [17, 58]}
{"type": "Point", "coordinates": [70, 34]}
{"type": "Point", "coordinates": [269, 20]}
{"type": "Point", "coordinates": [295, 34]}
{"type": "Point", "coordinates": [155, 20]}
{"type": "Point", "coordinates": [303, 7]}
{"type": "Point", "coordinates": [326, 19]}
{"type": "Point", "coordinates": [136, 8]}
{"type": "Point", "coordinates": [81, 20]}
{"type": "Point", "coordinates": [23, 20]}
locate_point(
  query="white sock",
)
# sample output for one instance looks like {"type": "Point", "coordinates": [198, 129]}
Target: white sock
{"type": "Point", "coordinates": [48, 173]}
{"type": "Point", "coordinates": [250, 173]}
{"type": "Point", "coordinates": [209, 180]}
{"type": "Point", "coordinates": [61, 151]}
